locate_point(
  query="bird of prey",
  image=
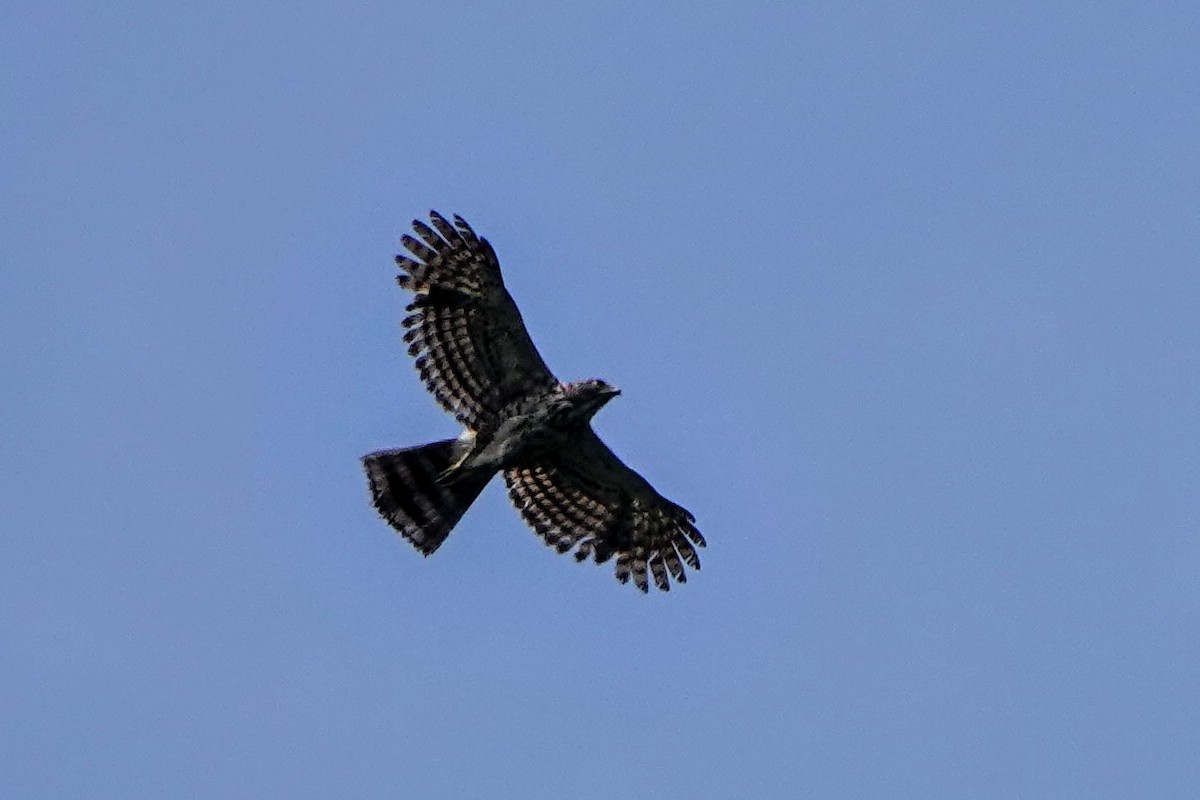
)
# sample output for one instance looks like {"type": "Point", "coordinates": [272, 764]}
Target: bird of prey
{"type": "Point", "coordinates": [476, 358]}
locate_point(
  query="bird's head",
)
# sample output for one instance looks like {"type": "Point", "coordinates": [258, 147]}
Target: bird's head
{"type": "Point", "coordinates": [589, 396]}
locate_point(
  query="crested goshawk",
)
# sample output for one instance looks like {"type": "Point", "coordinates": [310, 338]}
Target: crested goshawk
{"type": "Point", "coordinates": [476, 358]}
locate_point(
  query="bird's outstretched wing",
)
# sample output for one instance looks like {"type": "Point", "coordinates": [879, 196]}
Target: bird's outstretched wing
{"type": "Point", "coordinates": [472, 349]}
{"type": "Point", "coordinates": [585, 499]}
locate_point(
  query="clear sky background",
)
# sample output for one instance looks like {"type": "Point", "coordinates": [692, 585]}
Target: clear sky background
{"type": "Point", "coordinates": [904, 300]}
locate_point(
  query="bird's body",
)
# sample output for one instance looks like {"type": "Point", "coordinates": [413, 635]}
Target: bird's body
{"type": "Point", "coordinates": [477, 359]}
{"type": "Point", "coordinates": [542, 425]}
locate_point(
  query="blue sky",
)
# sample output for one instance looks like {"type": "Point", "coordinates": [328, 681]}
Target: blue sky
{"type": "Point", "coordinates": [903, 299]}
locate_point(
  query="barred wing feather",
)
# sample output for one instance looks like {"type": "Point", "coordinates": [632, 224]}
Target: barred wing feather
{"type": "Point", "coordinates": [587, 500]}
{"type": "Point", "coordinates": [472, 349]}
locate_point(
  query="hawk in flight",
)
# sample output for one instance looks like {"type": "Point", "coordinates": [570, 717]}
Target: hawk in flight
{"type": "Point", "coordinates": [477, 359]}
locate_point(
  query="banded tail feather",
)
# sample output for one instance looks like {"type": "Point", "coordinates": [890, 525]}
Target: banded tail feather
{"type": "Point", "coordinates": [408, 495]}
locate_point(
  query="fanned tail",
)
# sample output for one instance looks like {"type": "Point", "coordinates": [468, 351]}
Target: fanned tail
{"type": "Point", "coordinates": [407, 493]}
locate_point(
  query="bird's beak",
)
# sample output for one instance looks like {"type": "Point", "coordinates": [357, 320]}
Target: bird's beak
{"type": "Point", "coordinates": [613, 391]}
